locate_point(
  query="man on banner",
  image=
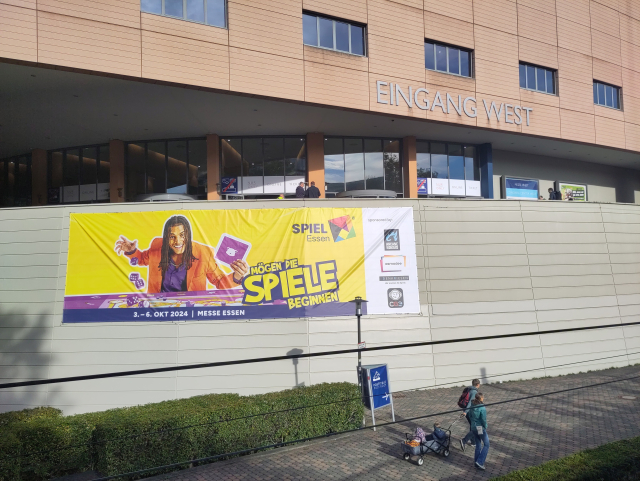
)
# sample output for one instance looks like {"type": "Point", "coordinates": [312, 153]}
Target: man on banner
{"type": "Point", "coordinates": [178, 264]}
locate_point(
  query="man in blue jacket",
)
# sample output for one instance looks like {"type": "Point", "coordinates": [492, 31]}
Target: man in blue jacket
{"type": "Point", "coordinates": [473, 390]}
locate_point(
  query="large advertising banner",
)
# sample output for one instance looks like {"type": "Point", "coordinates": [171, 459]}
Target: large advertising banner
{"type": "Point", "coordinates": [570, 191]}
{"type": "Point", "coordinates": [239, 264]}
{"type": "Point", "coordinates": [521, 189]}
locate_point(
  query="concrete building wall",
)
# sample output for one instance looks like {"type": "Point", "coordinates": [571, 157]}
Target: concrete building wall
{"type": "Point", "coordinates": [262, 53]}
{"type": "Point", "coordinates": [485, 267]}
{"type": "Point", "coordinates": [605, 183]}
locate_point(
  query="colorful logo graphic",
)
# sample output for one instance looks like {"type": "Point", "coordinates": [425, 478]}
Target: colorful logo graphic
{"type": "Point", "coordinates": [342, 228]}
{"type": "Point", "coordinates": [391, 239]}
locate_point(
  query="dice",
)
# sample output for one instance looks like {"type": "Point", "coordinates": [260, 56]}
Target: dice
{"type": "Point", "coordinates": [134, 276]}
{"type": "Point", "coordinates": [139, 283]}
{"type": "Point", "coordinates": [132, 300]}
{"type": "Point", "coordinates": [133, 261]}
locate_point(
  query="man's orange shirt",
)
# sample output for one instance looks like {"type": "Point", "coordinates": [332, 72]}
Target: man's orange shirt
{"type": "Point", "coordinates": [203, 268]}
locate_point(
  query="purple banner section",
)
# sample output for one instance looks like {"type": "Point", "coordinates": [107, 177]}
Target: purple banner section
{"type": "Point", "coordinates": [205, 313]}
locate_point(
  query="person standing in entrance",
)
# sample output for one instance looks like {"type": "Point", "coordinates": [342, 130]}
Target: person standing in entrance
{"type": "Point", "coordinates": [465, 401]}
{"type": "Point", "coordinates": [300, 191]}
{"type": "Point", "coordinates": [478, 418]}
{"type": "Point", "coordinates": [312, 192]}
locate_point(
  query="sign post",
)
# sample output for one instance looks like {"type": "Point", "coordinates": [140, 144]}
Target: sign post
{"type": "Point", "coordinates": [377, 389]}
{"type": "Point", "coordinates": [358, 302]}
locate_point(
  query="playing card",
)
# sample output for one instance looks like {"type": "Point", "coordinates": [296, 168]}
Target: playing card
{"type": "Point", "coordinates": [231, 249]}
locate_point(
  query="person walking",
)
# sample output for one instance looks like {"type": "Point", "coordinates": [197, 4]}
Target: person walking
{"type": "Point", "coordinates": [300, 191]}
{"type": "Point", "coordinates": [478, 417]}
{"type": "Point", "coordinates": [312, 192]}
{"type": "Point", "coordinates": [465, 401]}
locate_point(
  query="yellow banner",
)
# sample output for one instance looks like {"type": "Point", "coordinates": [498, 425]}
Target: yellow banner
{"type": "Point", "coordinates": [214, 264]}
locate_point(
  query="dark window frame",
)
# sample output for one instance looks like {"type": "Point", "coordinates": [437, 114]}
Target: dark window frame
{"type": "Point", "coordinates": [448, 46]}
{"type": "Point", "coordinates": [553, 71]}
{"type": "Point", "coordinates": [318, 16]}
{"type": "Point", "coordinates": [17, 179]}
{"type": "Point", "coordinates": [80, 149]}
{"type": "Point", "coordinates": [618, 91]}
{"type": "Point", "coordinates": [382, 139]}
{"type": "Point", "coordinates": [184, 17]}
{"type": "Point", "coordinates": [464, 167]}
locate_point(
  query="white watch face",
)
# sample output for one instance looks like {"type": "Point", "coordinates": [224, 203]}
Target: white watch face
{"type": "Point", "coordinates": [395, 295]}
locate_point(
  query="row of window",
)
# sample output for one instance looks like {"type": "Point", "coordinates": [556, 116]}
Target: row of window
{"type": "Point", "coordinates": [15, 181]}
{"type": "Point", "coordinates": [349, 37]}
{"type": "Point", "coordinates": [79, 174]}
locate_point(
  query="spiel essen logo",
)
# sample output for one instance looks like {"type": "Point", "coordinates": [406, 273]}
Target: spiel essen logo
{"type": "Point", "coordinates": [342, 228]}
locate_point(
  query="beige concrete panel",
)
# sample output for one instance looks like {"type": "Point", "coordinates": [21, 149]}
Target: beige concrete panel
{"type": "Point", "coordinates": [497, 79]}
{"type": "Point", "coordinates": [496, 46]}
{"type": "Point", "coordinates": [547, 6]}
{"type": "Point", "coordinates": [336, 59]}
{"type": "Point", "coordinates": [85, 44]}
{"type": "Point", "coordinates": [630, 8]}
{"type": "Point", "coordinates": [184, 60]}
{"type": "Point", "coordinates": [545, 120]}
{"type": "Point", "coordinates": [460, 9]}
{"type": "Point", "coordinates": [561, 228]}
{"type": "Point", "coordinates": [409, 3]}
{"type": "Point", "coordinates": [630, 56]}
{"type": "Point", "coordinates": [628, 289]}
{"type": "Point", "coordinates": [498, 14]}
{"type": "Point", "coordinates": [478, 273]}
{"type": "Point", "coordinates": [448, 30]}
{"type": "Point", "coordinates": [404, 60]}
{"type": "Point", "coordinates": [393, 20]}
{"type": "Point", "coordinates": [567, 259]}
{"type": "Point", "coordinates": [479, 284]}
{"type": "Point", "coordinates": [477, 238]}
{"type": "Point", "coordinates": [607, 72]}
{"type": "Point", "coordinates": [575, 66]}
{"type": "Point", "coordinates": [265, 31]}
{"type": "Point", "coordinates": [21, 3]}
{"type": "Point", "coordinates": [400, 107]}
{"type": "Point", "coordinates": [486, 319]}
{"type": "Point", "coordinates": [609, 132]}
{"type": "Point", "coordinates": [574, 10]}
{"type": "Point", "coordinates": [606, 47]}
{"type": "Point", "coordinates": [482, 250]}
{"type": "Point", "coordinates": [537, 25]}
{"type": "Point", "coordinates": [348, 9]}
{"type": "Point", "coordinates": [285, 7]}
{"type": "Point", "coordinates": [570, 237]}
{"type": "Point", "coordinates": [180, 28]}
{"type": "Point", "coordinates": [264, 74]}
{"type": "Point", "coordinates": [575, 303]}
{"type": "Point", "coordinates": [576, 96]}
{"type": "Point", "coordinates": [538, 53]}
{"type": "Point", "coordinates": [442, 81]}
{"type": "Point", "coordinates": [479, 261]}
{"type": "Point", "coordinates": [450, 113]}
{"type": "Point", "coordinates": [474, 227]}
{"type": "Point", "coordinates": [577, 126]}
{"type": "Point", "coordinates": [560, 269]}
{"type": "Point", "coordinates": [630, 82]}
{"type": "Point", "coordinates": [605, 17]}
{"type": "Point", "coordinates": [452, 297]}
{"type": "Point", "coordinates": [327, 84]}
{"type": "Point", "coordinates": [533, 97]}
{"type": "Point", "coordinates": [118, 12]}
{"type": "Point", "coordinates": [630, 29]}
{"type": "Point", "coordinates": [632, 136]}
{"type": "Point", "coordinates": [610, 113]}
{"type": "Point", "coordinates": [574, 36]}
{"type": "Point", "coordinates": [500, 124]}
{"type": "Point", "coordinates": [18, 33]}
{"type": "Point", "coordinates": [559, 216]}
{"type": "Point", "coordinates": [599, 193]}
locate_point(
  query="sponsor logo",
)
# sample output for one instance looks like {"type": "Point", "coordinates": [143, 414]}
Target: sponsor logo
{"type": "Point", "coordinates": [376, 376]}
{"type": "Point", "coordinates": [393, 263]}
{"type": "Point", "coordinates": [391, 240]}
{"type": "Point", "coordinates": [342, 228]}
{"type": "Point", "coordinates": [393, 278]}
{"type": "Point", "coordinates": [395, 297]}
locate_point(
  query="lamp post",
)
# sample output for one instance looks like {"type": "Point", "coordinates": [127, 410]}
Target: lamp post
{"type": "Point", "coordinates": [358, 302]}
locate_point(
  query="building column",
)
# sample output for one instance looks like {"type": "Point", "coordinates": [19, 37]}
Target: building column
{"type": "Point", "coordinates": [213, 166]}
{"type": "Point", "coordinates": [485, 164]}
{"type": "Point", "coordinates": [116, 171]}
{"type": "Point", "coordinates": [39, 177]}
{"type": "Point", "coordinates": [409, 168]}
{"type": "Point", "coordinates": [315, 160]}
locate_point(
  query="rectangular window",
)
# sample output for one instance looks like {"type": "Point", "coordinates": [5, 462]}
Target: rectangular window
{"type": "Point", "coordinates": [332, 34]}
{"type": "Point", "coordinates": [606, 95]}
{"type": "Point", "coordinates": [448, 59]}
{"type": "Point", "coordinates": [209, 12]}
{"type": "Point", "coordinates": [536, 78]}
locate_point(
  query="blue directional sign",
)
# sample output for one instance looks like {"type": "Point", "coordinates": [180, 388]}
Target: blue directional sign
{"type": "Point", "coordinates": [376, 386]}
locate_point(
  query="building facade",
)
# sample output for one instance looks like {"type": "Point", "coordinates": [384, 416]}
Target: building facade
{"type": "Point", "coordinates": [108, 101]}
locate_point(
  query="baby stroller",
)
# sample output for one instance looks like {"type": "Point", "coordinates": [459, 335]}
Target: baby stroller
{"type": "Point", "coordinates": [437, 442]}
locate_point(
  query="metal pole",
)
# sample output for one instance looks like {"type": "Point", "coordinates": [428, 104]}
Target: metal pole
{"type": "Point", "coordinates": [359, 313]}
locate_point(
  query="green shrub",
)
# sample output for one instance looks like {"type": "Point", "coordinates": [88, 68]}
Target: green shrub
{"type": "Point", "coordinates": [130, 439]}
{"type": "Point", "coordinates": [7, 419]}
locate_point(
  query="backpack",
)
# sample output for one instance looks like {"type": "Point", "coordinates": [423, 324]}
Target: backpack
{"type": "Point", "coordinates": [463, 402]}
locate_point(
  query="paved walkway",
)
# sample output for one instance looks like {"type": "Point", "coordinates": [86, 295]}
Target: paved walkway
{"type": "Point", "coordinates": [522, 433]}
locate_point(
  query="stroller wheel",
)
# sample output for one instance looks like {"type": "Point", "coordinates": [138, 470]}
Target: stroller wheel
{"type": "Point", "coordinates": [406, 456]}
{"type": "Point", "coordinates": [420, 462]}
{"type": "Point", "coordinates": [446, 453]}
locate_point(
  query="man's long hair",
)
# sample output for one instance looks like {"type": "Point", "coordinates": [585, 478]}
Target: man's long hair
{"type": "Point", "coordinates": [187, 257]}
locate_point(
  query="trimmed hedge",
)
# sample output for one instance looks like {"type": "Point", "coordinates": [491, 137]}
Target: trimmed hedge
{"type": "Point", "coordinates": [618, 461]}
{"type": "Point", "coordinates": [7, 419]}
{"type": "Point", "coordinates": [130, 439]}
